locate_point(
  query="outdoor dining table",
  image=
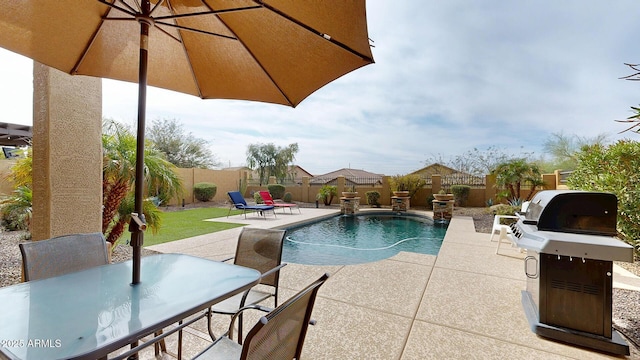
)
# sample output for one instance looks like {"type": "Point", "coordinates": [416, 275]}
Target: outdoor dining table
{"type": "Point", "coordinates": [91, 313]}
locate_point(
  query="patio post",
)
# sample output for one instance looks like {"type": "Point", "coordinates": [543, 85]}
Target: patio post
{"type": "Point", "coordinates": [67, 168]}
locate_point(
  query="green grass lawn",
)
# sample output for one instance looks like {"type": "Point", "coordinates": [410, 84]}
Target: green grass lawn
{"type": "Point", "coordinates": [182, 224]}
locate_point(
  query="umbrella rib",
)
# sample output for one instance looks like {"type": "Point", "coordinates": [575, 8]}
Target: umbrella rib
{"type": "Point", "coordinates": [169, 35]}
{"type": "Point", "coordinates": [196, 30]}
{"type": "Point", "coordinates": [309, 28]}
{"type": "Point", "coordinates": [129, 6]}
{"type": "Point", "coordinates": [211, 12]}
{"type": "Point", "coordinates": [273, 81]}
{"type": "Point", "coordinates": [155, 7]}
{"type": "Point", "coordinates": [114, 6]}
{"type": "Point", "coordinates": [74, 70]}
{"type": "Point", "coordinates": [186, 53]}
{"type": "Point", "coordinates": [158, 20]}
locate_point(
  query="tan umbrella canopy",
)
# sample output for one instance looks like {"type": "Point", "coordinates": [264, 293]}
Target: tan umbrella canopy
{"type": "Point", "coordinates": [275, 51]}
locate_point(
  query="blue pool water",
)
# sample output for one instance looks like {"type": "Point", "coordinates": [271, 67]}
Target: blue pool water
{"type": "Point", "coordinates": [363, 238]}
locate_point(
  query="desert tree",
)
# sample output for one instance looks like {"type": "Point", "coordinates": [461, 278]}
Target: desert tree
{"type": "Point", "coordinates": [271, 160]}
{"type": "Point", "coordinates": [182, 149]}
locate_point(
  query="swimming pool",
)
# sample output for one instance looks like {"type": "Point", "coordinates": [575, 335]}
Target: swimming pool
{"type": "Point", "coordinates": [343, 240]}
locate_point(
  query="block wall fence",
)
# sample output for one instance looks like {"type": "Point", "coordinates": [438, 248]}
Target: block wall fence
{"type": "Point", "coordinates": [304, 191]}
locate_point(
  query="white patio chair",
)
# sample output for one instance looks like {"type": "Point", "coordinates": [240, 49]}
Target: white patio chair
{"type": "Point", "coordinates": [497, 225]}
{"type": "Point", "coordinates": [503, 230]}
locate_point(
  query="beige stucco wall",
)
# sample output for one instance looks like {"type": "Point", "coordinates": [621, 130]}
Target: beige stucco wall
{"type": "Point", "coordinates": [67, 153]}
{"type": "Point", "coordinates": [224, 179]}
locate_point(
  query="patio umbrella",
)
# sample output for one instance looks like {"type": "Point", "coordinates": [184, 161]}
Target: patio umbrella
{"type": "Point", "coordinates": [274, 51]}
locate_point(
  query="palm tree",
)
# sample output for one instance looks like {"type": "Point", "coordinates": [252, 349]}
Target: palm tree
{"type": "Point", "coordinates": [122, 218]}
{"type": "Point", "coordinates": [512, 173]}
{"type": "Point", "coordinates": [119, 157]}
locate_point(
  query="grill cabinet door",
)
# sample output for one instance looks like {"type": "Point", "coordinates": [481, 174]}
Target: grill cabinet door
{"type": "Point", "coordinates": [576, 294]}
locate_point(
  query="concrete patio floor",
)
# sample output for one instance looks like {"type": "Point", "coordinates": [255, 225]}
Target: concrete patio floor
{"type": "Point", "coordinates": [464, 303]}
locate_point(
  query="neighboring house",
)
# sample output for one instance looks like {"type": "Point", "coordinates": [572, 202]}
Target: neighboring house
{"type": "Point", "coordinates": [352, 177]}
{"type": "Point", "coordinates": [297, 172]}
{"type": "Point", "coordinates": [449, 176]}
{"type": "Point", "coordinates": [434, 169]}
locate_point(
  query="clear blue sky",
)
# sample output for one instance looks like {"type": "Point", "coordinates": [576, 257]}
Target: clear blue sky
{"type": "Point", "coordinates": [449, 76]}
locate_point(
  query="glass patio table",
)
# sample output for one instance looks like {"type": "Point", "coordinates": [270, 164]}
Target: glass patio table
{"type": "Point", "coordinates": [90, 313]}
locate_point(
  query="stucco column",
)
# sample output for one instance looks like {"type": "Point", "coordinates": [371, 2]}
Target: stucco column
{"type": "Point", "coordinates": [67, 153]}
{"type": "Point", "coordinates": [490, 190]}
{"type": "Point", "coordinates": [305, 190]}
{"type": "Point", "coordinates": [436, 183]}
{"type": "Point", "coordinates": [341, 184]}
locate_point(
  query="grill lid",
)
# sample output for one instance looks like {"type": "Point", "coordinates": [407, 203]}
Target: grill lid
{"type": "Point", "coordinates": [573, 211]}
{"type": "Point", "coordinates": [572, 223]}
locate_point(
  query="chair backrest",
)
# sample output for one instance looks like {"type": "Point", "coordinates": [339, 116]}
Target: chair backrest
{"type": "Point", "coordinates": [64, 254]}
{"type": "Point", "coordinates": [261, 249]}
{"type": "Point", "coordinates": [497, 220]}
{"type": "Point", "coordinates": [281, 333]}
{"type": "Point", "coordinates": [266, 197]}
{"type": "Point", "coordinates": [236, 198]}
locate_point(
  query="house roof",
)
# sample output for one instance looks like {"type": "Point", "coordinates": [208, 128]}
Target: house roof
{"type": "Point", "coordinates": [306, 173]}
{"type": "Point", "coordinates": [353, 176]}
{"type": "Point", "coordinates": [449, 175]}
{"type": "Point", "coordinates": [435, 169]}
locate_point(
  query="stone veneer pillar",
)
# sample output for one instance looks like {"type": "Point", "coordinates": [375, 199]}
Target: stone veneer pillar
{"type": "Point", "coordinates": [67, 153]}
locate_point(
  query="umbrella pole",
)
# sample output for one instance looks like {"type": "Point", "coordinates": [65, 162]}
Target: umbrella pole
{"type": "Point", "coordinates": [137, 231]}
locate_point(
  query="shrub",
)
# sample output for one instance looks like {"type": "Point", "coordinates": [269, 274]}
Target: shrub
{"type": "Point", "coordinates": [276, 190]}
{"type": "Point", "coordinates": [503, 209]}
{"type": "Point", "coordinates": [16, 209]}
{"type": "Point", "coordinates": [204, 191]}
{"type": "Point", "coordinates": [516, 202]}
{"type": "Point", "coordinates": [326, 194]}
{"type": "Point", "coordinates": [410, 182]}
{"type": "Point", "coordinates": [287, 197]}
{"type": "Point", "coordinates": [257, 198]}
{"type": "Point", "coordinates": [614, 168]}
{"type": "Point", "coordinates": [460, 194]}
{"type": "Point", "coordinates": [372, 198]}
{"type": "Point", "coordinates": [430, 199]}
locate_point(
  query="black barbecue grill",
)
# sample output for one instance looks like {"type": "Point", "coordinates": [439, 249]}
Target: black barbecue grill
{"type": "Point", "coordinates": [571, 245]}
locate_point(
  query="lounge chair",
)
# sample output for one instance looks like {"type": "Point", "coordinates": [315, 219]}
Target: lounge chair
{"type": "Point", "coordinates": [278, 335]}
{"type": "Point", "coordinates": [259, 249]}
{"type": "Point", "coordinates": [268, 200]}
{"type": "Point", "coordinates": [239, 203]}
